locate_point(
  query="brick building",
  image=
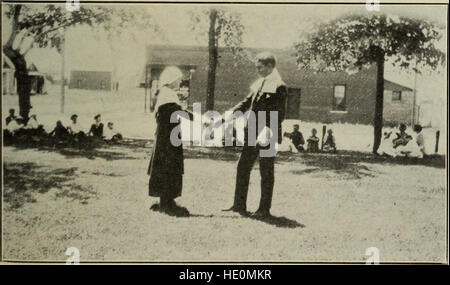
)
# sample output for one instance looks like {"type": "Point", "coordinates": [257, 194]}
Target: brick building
{"type": "Point", "coordinates": [321, 97]}
{"type": "Point", "coordinates": [93, 80]}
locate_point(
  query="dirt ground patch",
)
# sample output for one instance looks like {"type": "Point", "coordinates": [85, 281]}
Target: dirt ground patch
{"type": "Point", "coordinates": [325, 208]}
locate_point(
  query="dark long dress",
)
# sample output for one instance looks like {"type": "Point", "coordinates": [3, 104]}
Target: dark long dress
{"type": "Point", "coordinates": [166, 164]}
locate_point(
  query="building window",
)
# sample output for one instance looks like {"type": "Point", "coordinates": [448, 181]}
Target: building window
{"type": "Point", "coordinates": [102, 84]}
{"type": "Point", "coordinates": [339, 98]}
{"type": "Point", "coordinates": [396, 95]}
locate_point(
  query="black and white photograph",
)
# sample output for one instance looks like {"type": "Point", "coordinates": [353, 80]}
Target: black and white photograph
{"type": "Point", "coordinates": [224, 132]}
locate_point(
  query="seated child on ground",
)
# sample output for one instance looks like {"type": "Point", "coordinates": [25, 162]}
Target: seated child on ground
{"type": "Point", "coordinates": [11, 117]}
{"type": "Point", "coordinates": [13, 128]}
{"type": "Point", "coordinates": [330, 142]}
{"type": "Point", "coordinates": [402, 137]}
{"type": "Point", "coordinates": [313, 142]}
{"type": "Point", "coordinates": [412, 147]}
{"type": "Point", "coordinates": [110, 134]}
{"type": "Point", "coordinates": [75, 129]}
{"type": "Point", "coordinates": [59, 132]}
{"type": "Point", "coordinates": [286, 144]}
{"type": "Point", "coordinates": [297, 138]}
{"type": "Point", "coordinates": [34, 128]}
{"type": "Point", "coordinates": [420, 140]}
{"type": "Point", "coordinates": [387, 146]}
{"type": "Point", "coordinates": [96, 129]}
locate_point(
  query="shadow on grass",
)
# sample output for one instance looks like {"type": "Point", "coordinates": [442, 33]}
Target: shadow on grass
{"type": "Point", "coordinates": [215, 153]}
{"type": "Point", "coordinates": [343, 158]}
{"type": "Point", "coordinates": [328, 160]}
{"type": "Point", "coordinates": [95, 153]}
{"type": "Point", "coordinates": [281, 222]}
{"type": "Point", "coordinates": [23, 180]}
{"type": "Point", "coordinates": [89, 151]}
{"type": "Point", "coordinates": [353, 165]}
{"type": "Point", "coordinates": [347, 164]}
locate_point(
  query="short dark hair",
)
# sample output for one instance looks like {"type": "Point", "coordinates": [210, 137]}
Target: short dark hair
{"type": "Point", "coordinates": [266, 58]}
{"type": "Point", "coordinates": [417, 128]}
{"type": "Point", "coordinates": [12, 110]}
{"type": "Point", "coordinates": [73, 116]}
{"type": "Point", "coordinates": [96, 116]}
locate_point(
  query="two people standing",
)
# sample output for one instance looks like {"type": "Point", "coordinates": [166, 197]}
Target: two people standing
{"type": "Point", "coordinates": [268, 93]}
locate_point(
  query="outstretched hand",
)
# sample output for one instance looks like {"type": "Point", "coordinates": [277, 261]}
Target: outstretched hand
{"type": "Point", "coordinates": [218, 123]}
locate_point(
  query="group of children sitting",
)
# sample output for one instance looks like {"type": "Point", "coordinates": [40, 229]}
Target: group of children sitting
{"type": "Point", "coordinates": [403, 144]}
{"type": "Point", "coordinates": [294, 142]}
{"type": "Point", "coordinates": [18, 130]}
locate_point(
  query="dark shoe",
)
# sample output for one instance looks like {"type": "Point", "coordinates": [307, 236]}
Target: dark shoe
{"type": "Point", "coordinates": [238, 210]}
{"type": "Point", "coordinates": [177, 211]}
{"type": "Point", "coordinates": [156, 207]}
{"type": "Point", "coordinates": [261, 214]}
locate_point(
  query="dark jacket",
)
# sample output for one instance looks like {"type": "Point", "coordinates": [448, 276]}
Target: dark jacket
{"type": "Point", "coordinates": [9, 119]}
{"type": "Point", "coordinates": [297, 138]}
{"type": "Point", "coordinates": [59, 132]}
{"type": "Point", "coordinates": [96, 131]}
{"type": "Point", "coordinates": [272, 97]}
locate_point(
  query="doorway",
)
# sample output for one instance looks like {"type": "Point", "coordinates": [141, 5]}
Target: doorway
{"type": "Point", "coordinates": [293, 103]}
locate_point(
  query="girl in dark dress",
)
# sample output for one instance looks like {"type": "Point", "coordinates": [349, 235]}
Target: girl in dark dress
{"type": "Point", "coordinates": [166, 164]}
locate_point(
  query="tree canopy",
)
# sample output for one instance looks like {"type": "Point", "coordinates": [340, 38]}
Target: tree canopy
{"type": "Point", "coordinates": [221, 27]}
{"type": "Point", "coordinates": [355, 41]}
{"type": "Point", "coordinates": [228, 29]}
{"type": "Point", "coordinates": [43, 22]}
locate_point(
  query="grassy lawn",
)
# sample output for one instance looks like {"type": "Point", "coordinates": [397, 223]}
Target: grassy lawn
{"type": "Point", "coordinates": [325, 207]}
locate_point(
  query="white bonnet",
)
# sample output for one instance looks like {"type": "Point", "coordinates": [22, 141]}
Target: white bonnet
{"type": "Point", "coordinates": [169, 75]}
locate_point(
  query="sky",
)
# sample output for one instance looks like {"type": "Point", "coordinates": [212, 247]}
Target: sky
{"type": "Point", "coordinates": [267, 26]}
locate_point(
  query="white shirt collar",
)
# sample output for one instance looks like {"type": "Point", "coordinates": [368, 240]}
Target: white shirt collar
{"type": "Point", "coordinates": [271, 82]}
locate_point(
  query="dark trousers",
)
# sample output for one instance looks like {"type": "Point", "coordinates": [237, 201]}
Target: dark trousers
{"type": "Point", "coordinates": [266, 168]}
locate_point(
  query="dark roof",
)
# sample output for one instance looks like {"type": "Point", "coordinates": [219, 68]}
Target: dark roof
{"type": "Point", "coordinates": [193, 55]}
{"type": "Point", "coordinates": [389, 85]}
{"type": "Point", "coordinates": [177, 55]}
{"type": "Point", "coordinates": [91, 72]}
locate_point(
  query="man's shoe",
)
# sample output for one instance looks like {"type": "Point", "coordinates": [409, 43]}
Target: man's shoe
{"type": "Point", "coordinates": [261, 214]}
{"type": "Point", "coordinates": [238, 210]}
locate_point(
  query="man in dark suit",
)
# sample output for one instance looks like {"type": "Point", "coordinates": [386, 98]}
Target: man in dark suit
{"type": "Point", "coordinates": [267, 94]}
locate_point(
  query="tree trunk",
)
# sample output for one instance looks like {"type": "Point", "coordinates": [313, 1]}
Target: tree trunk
{"type": "Point", "coordinates": [20, 65]}
{"type": "Point", "coordinates": [23, 81]}
{"type": "Point", "coordinates": [63, 71]}
{"type": "Point", "coordinates": [212, 48]}
{"type": "Point", "coordinates": [378, 120]}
